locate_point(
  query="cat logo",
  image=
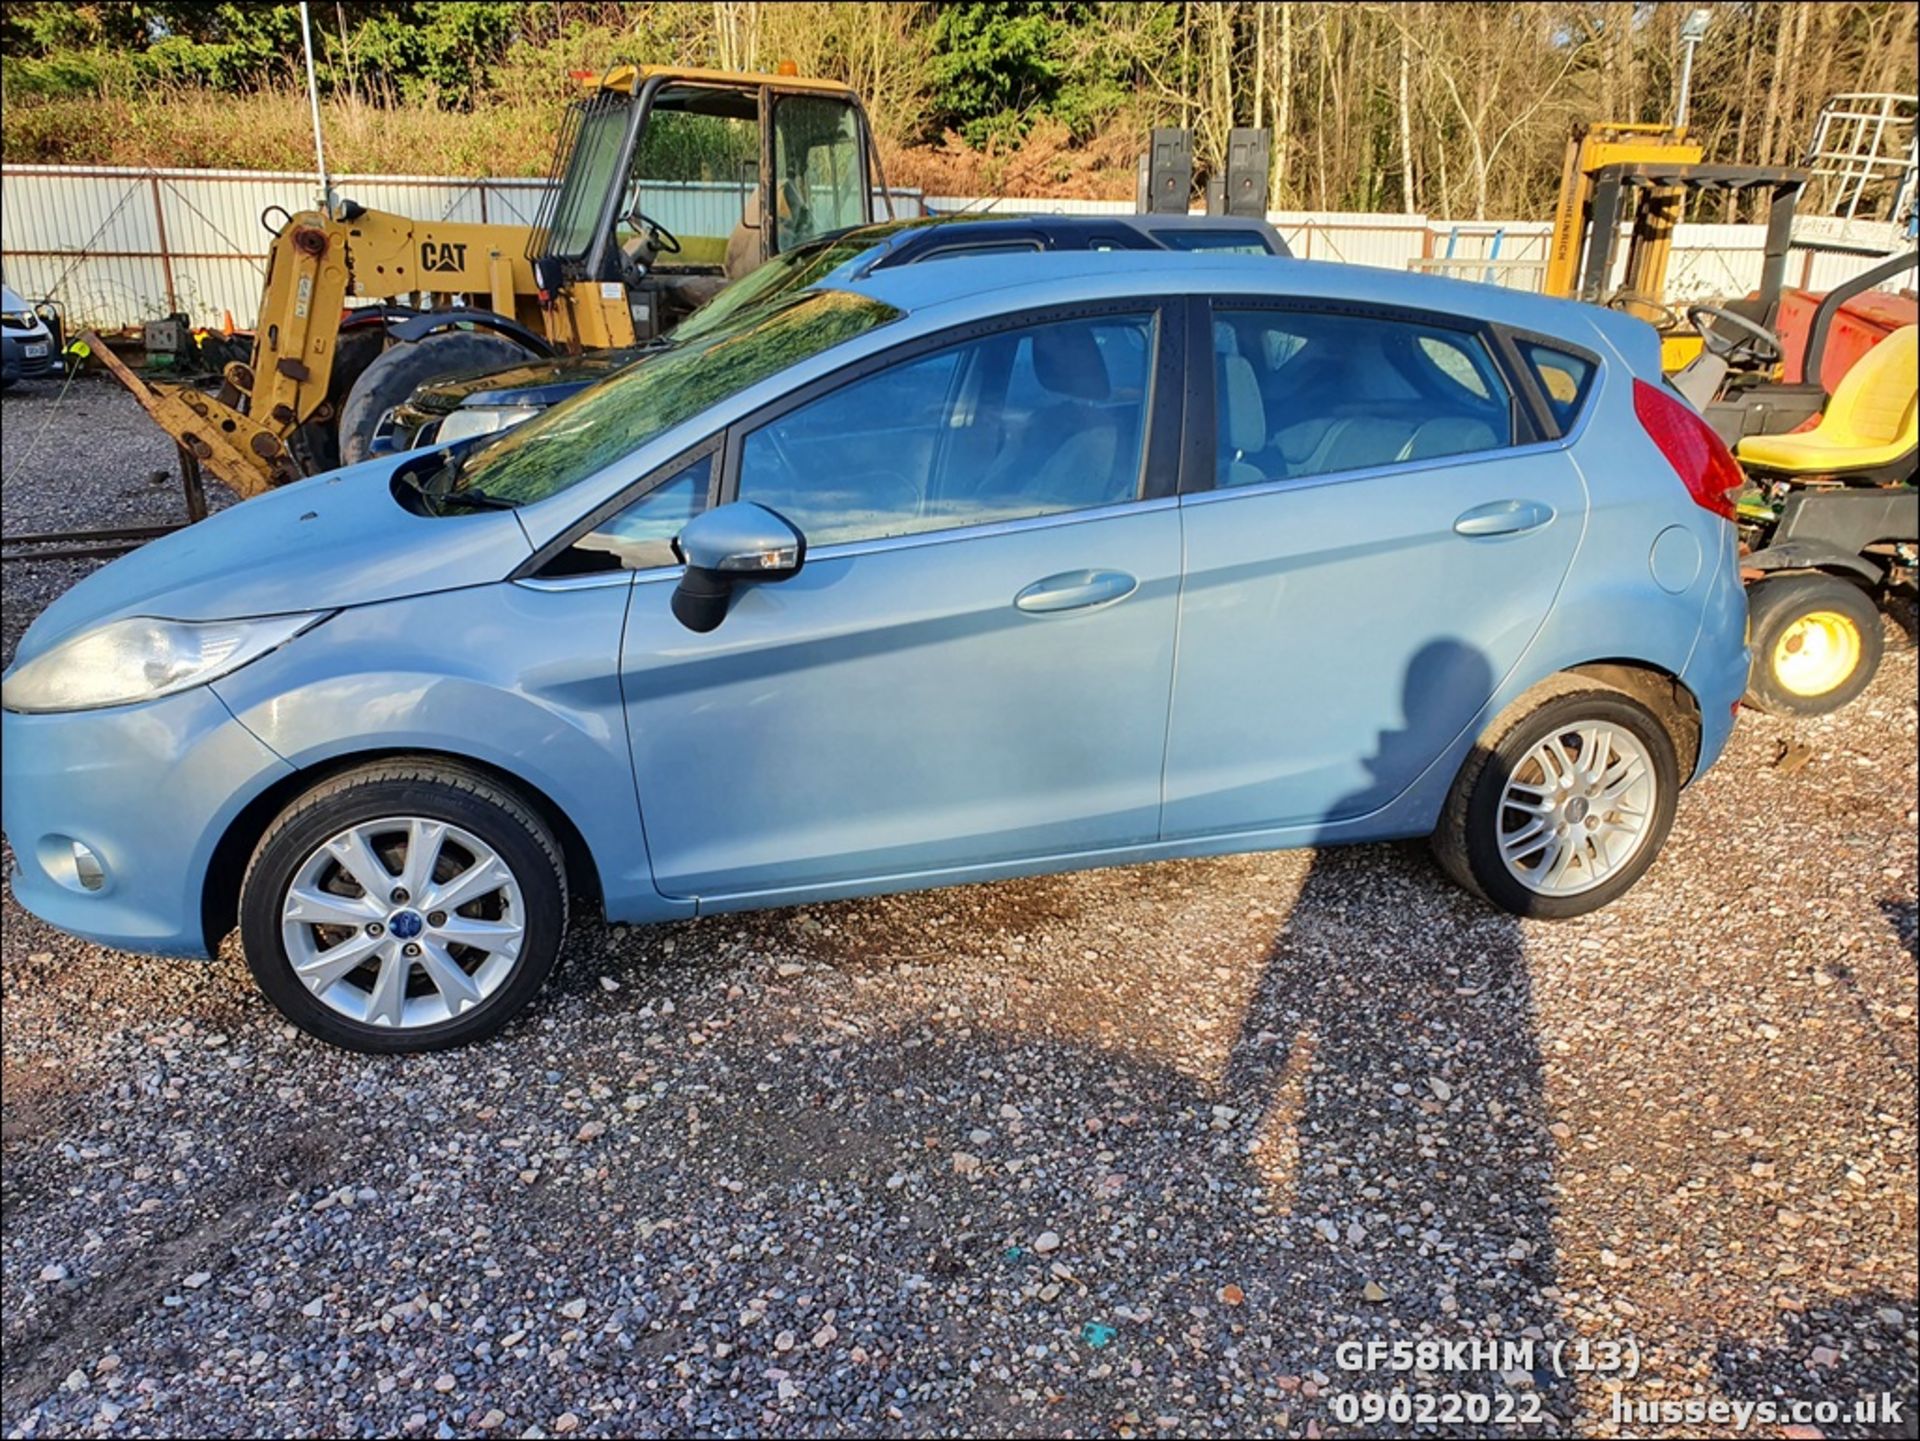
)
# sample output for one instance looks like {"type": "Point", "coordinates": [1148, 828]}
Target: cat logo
{"type": "Point", "coordinates": [435, 255]}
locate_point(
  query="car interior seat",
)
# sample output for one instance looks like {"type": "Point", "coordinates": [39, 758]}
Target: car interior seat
{"type": "Point", "coordinates": [1448, 435]}
{"type": "Point", "coordinates": [1243, 424]}
{"type": "Point", "coordinates": [1069, 449]}
{"type": "Point", "coordinates": [1870, 423]}
{"type": "Point", "coordinates": [743, 242]}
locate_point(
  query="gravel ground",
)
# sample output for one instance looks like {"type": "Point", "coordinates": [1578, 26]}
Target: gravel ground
{"type": "Point", "coordinates": [1129, 1152]}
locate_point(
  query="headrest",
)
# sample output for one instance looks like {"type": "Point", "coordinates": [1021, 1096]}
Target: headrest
{"type": "Point", "coordinates": [1243, 409]}
{"type": "Point", "coordinates": [1067, 361]}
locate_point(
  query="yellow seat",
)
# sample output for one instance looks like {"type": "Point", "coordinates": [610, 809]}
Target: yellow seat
{"type": "Point", "coordinates": [1870, 421]}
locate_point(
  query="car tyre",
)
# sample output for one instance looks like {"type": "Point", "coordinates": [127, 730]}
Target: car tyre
{"type": "Point", "coordinates": [1816, 643]}
{"type": "Point", "coordinates": [448, 830]}
{"type": "Point", "coordinates": [1629, 786]}
{"type": "Point", "coordinates": [400, 370]}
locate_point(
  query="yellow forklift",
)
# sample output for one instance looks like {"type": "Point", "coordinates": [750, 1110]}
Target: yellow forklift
{"type": "Point", "coordinates": [1645, 174]}
{"type": "Point", "coordinates": [1831, 518]}
{"type": "Point", "coordinates": [770, 160]}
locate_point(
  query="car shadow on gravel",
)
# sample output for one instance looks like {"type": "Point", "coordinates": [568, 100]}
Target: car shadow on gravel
{"type": "Point", "coordinates": [1901, 916]}
{"type": "Point", "coordinates": [1368, 1158]}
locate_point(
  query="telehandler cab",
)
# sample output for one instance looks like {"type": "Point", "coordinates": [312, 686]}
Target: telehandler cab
{"type": "Point", "coordinates": [770, 161]}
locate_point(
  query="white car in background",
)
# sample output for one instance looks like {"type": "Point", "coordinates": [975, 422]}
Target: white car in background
{"type": "Point", "coordinates": [26, 345]}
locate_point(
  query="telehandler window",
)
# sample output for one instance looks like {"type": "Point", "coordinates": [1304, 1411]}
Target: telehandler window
{"type": "Point", "coordinates": [821, 173]}
{"type": "Point", "coordinates": [592, 172]}
{"type": "Point", "coordinates": [698, 156]}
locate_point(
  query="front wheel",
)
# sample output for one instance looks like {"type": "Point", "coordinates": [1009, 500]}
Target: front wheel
{"type": "Point", "coordinates": [1564, 802]}
{"type": "Point", "coordinates": [404, 907]}
{"type": "Point", "coordinates": [1816, 644]}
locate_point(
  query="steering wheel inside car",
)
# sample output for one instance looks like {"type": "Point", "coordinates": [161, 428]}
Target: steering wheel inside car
{"type": "Point", "coordinates": [1751, 338]}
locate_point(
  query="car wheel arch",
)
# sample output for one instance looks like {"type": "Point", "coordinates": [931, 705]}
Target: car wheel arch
{"type": "Point", "coordinates": [220, 886]}
{"type": "Point", "coordinates": [1660, 691]}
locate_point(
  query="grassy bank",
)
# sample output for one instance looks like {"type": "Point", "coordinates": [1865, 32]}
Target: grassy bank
{"type": "Point", "coordinates": [203, 129]}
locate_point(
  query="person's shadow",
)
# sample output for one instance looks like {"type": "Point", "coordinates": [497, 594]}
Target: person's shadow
{"type": "Point", "coordinates": [1398, 1078]}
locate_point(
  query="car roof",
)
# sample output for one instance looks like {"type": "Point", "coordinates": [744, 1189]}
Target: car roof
{"type": "Point", "coordinates": [906, 240]}
{"type": "Point", "coordinates": [965, 287]}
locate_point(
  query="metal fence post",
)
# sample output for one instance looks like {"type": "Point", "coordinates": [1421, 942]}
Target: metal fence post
{"type": "Point", "coordinates": [166, 253]}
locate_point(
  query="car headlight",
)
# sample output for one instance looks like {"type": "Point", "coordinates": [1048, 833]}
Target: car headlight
{"type": "Point", "coordinates": [143, 658]}
{"type": "Point", "coordinates": [470, 420]}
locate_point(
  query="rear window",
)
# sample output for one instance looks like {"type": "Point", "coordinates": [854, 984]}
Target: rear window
{"type": "Point", "coordinates": [1563, 378]}
{"type": "Point", "coordinates": [983, 247]}
{"type": "Point", "coordinates": [1303, 393]}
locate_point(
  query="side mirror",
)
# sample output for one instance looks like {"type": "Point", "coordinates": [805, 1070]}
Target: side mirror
{"type": "Point", "coordinates": [725, 546]}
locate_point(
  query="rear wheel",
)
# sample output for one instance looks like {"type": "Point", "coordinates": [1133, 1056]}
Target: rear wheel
{"type": "Point", "coordinates": [404, 907]}
{"type": "Point", "coordinates": [400, 370]}
{"type": "Point", "coordinates": [1816, 644]}
{"type": "Point", "coordinates": [1564, 803]}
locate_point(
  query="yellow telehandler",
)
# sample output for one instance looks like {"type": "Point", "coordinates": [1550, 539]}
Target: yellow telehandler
{"type": "Point", "coordinates": [758, 162]}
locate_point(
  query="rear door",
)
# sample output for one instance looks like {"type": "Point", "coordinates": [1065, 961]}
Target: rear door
{"type": "Point", "coordinates": [1383, 535]}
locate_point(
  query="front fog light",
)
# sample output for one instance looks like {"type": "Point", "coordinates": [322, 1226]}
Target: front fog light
{"type": "Point", "coordinates": [87, 868]}
{"type": "Point", "coordinates": [73, 864]}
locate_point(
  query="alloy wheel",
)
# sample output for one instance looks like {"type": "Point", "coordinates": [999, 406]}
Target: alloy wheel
{"type": "Point", "coordinates": [403, 922]}
{"type": "Point", "coordinates": [1577, 808]}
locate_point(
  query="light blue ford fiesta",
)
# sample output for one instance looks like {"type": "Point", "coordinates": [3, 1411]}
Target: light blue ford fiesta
{"type": "Point", "coordinates": [935, 574]}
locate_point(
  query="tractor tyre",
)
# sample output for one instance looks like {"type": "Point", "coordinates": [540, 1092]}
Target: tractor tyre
{"type": "Point", "coordinates": [401, 369]}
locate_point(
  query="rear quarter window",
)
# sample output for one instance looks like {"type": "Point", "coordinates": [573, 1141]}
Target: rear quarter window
{"type": "Point", "coordinates": [1225, 241]}
{"type": "Point", "coordinates": [1564, 379]}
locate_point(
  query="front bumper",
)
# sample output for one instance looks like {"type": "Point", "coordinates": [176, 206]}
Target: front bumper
{"type": "Point", "coordinates": [148, 790]}
{"type": "Point", "coordinates": [17, 364]}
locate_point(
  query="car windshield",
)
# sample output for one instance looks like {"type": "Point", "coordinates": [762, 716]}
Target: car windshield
{"type": "Point", "coordinates": [784, 274]}
{"type": "Point", "coordinates": [587, 432]}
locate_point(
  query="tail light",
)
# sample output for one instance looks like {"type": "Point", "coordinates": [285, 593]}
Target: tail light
{"type": "Point", "coordinates": [1698, 456]}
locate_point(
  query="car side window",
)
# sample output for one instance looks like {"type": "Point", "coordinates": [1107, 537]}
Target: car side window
{"type": "Point", "coordinates": [1563, 377]}
{"type": "Point", "coordinates": [641, 536]}
{"type": "Point", "coordinates": [971, 249]}
{"type": "Point", "coordinates": [1301, 394]}
{"type": "Point", "coordinates": [1016, 424]}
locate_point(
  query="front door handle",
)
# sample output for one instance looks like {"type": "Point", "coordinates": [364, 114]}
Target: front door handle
{"type": "Point", "coordinates": [1075, 590]}
{"type": "Point", "coordinates": [1503, 517]}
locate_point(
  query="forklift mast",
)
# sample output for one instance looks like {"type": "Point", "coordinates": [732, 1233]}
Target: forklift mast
{"type": "Point", "coordinates": [1591, 149]}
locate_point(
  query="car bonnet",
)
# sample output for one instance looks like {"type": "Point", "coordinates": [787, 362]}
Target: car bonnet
{"type": "Point", "coordinates": [340, 539]}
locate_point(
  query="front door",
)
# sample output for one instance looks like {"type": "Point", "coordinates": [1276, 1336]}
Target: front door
{"type": "Point", "coordinates": [973, 664]}
{"type": "Point", "coordinates": [1374, 557]}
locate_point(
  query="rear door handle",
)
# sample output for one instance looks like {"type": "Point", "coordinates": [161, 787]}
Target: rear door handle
{"type": "Point", "coordinates": [1075, 590]}
{"type": "Point", "coordinates": [1503, 517]}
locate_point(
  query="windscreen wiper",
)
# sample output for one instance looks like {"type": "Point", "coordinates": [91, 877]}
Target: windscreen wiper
{"type": "Point", "coordinates": [435, 499]}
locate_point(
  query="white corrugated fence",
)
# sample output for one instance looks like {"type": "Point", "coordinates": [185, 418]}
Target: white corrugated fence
{"type": "Point", "coordinates": [121, 246]}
